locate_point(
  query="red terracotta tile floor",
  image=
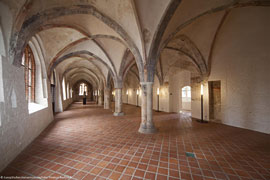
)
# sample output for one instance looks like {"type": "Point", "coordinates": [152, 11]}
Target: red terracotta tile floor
{"type": "Point", "coordinates": [88, 142]}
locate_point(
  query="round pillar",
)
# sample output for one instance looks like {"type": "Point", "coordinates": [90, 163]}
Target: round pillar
{"type": "Point", "coordinates": [147, 125]}
{"type": "Point", "coordinates": [118, 102]}
{"type": "Point", "coordinates": [100, 98]}
{"type": "Point", "coordinates": [107, 98]}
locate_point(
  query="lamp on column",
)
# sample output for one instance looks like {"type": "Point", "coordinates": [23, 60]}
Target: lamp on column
{"type": "Point", "coordinates": [113, 96]}
{"type": "Point", "coordinates": [137, 96]}
{"type": "Point", "coordinates": [202, 121]}
{"type": "Point", "coordinates": [127, 96]}
{"type": "Point", "coordinates": [157, 99]}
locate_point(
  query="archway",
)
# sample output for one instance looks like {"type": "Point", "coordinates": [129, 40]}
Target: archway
{"type": "Point", "coordinates": [186, 98]}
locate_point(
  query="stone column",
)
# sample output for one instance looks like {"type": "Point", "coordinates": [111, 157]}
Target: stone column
{"type": "Point", "coordinates": [100, 98]}
{"type": "Point", "coordinates": [147, 125]}
{"type": "Point", "coordinates": [107, 98]}
{"type": "Point", "coordinates": [118, 102]}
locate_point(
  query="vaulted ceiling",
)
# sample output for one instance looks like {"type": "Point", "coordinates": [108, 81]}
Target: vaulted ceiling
{"type": "Point", "coordinates": [96, 40]}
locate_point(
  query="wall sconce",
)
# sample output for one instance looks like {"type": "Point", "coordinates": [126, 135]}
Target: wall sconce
{"type": "Point", "coordinates": [113, 94]}
{"type": "Point", "coordinates": [202, 121]}
{"type": "Point", "coordinates": [157, 99]}
{"type": "Point", "coordinates": [127, 96]}
{"type": "Point", "coordinates": [137, 97]}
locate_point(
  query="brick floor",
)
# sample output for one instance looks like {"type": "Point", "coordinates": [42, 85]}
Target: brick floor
{"type": "Point", "coordinates": [88, 142]}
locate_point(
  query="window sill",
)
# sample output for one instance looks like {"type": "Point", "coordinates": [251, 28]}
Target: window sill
{"type": "Point", "coordinates": [34, 107]}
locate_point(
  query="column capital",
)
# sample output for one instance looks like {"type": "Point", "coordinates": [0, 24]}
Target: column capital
{"type": "Point", "coordinates": [118, 84]}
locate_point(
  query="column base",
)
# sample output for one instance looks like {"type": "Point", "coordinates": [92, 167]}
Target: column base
{"type": "Point", "coordinates": [147, 130]}
{"type": "Point", "coordinates": [118, 113]}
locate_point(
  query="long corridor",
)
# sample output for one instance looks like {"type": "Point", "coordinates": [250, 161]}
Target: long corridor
{"type": "Point", "coordinates": [88, 142]}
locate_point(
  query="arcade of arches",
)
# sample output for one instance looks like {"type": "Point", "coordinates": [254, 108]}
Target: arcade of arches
{"type": "Point", "coordinates": [152, 71]}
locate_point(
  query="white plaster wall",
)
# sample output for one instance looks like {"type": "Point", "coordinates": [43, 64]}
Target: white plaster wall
{"type": "Point", "coordinates": [67, 102]}
{"type": "Point", "coordinates": [131, 85]}
{"type": "Point", "coordinates": [19, 128]}
{"type": "Point", "coordinates": [241, 61]}
{"type": "Point", "coordinates": [132, 95]}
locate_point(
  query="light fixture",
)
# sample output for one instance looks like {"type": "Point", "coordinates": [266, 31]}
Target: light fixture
{"type": "Point", "coordinates": [137, 98]}
{"type": "Point", "coordinates": [202, 121]}
{"type": "Point", "coordinates": [127, 96]}
{"type": "Point", "coordinates": [113, 94]}
{"type": "Point", "coordinates": [157, 99]}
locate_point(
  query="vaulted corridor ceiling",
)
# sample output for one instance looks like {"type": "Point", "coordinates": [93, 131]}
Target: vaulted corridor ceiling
{"type": "Point", "coordinates": [94, 38]}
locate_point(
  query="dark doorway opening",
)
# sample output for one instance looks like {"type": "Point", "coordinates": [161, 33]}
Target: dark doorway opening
{"type": "Point", "coordinates": [53, 97]}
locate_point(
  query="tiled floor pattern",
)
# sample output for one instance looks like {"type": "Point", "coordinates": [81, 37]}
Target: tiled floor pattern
{"type": "Point", "coordinates": [87, 142]}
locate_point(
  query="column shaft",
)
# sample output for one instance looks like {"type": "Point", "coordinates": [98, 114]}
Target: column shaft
{"type": "Point", "coordinates": [107, 98]}
{"type": "Point", "coordinates": [118, 102]}
{"type": "Point", "coordinates": [100, 98]}
{"type": "Point", "coordinates": [147, 125]}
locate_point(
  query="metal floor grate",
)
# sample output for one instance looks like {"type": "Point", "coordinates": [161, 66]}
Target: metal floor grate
{"type": "Point", "coordinates": [189, 154]}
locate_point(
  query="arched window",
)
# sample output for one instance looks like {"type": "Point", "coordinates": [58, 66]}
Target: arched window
{"type": "Point", "coordinates": [64, 89]}
{"type": "Point", "coordinates": [68, 91]}
{"type": "Point", "coordinates": [83, 88]}
{"type": "Point", "coordinates": [186, 98]}
{"type": "Point", "coordinates": [186, 92]}
{"type": "Point", "coordinates": [28, 62]}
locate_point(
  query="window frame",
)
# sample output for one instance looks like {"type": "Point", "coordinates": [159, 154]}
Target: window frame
{"type": "Point", "coordinates": [83, 88]}
{"type": "Point", "coordinates": [28, 62]}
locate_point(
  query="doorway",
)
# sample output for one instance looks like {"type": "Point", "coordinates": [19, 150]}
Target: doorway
{"type": "Point", "coordinates": [53, 97]}
{"type": "Point", "coordinates": [186, 98]}
{"type": "Point", "coordinates": [214, 100]}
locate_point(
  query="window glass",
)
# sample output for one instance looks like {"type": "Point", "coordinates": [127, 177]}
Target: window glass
{"type": "Point", "coordinates": [83, 88]}
{"type": "Point", "coordinates": [28, 62]}
{"type": "Point", "coordinates": [64, 89]}
{"type": "Point", "coordinates": [186, 93]}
